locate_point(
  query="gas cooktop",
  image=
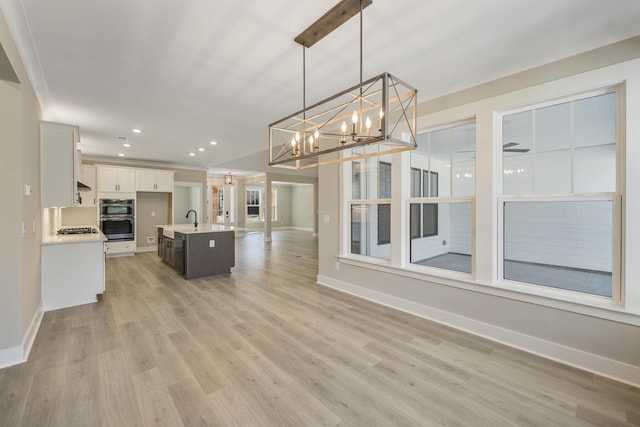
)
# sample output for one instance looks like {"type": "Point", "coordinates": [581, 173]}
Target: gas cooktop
{"type": "Point", "coordinates": [77, 230]}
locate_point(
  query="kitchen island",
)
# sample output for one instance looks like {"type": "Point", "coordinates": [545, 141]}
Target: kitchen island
{"type": "Point", "coordinates": [197, 251]}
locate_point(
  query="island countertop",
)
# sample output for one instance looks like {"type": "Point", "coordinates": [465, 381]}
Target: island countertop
{"type": "Point", "coordinates": [201, 228]}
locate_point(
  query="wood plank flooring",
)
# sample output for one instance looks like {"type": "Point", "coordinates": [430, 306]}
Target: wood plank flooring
{"type": "Point", "coordinates": [266, 346]}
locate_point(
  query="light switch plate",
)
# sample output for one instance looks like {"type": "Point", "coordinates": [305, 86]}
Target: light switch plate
{"type": "Point", "coordinates": [27, 190]}
{"type": "Point", "coordinates": [212, 243]}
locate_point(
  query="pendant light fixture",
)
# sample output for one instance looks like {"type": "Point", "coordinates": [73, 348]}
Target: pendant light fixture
{"type": "Point", "coordinates": [375, 117]}
{"type": "Point", "coordinates": [228, 179]}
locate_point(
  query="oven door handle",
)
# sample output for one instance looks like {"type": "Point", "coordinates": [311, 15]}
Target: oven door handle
{"type": "Point", "coordinates": [118, 219]}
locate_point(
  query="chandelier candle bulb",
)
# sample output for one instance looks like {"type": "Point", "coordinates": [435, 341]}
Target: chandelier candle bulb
{"type": "Point", "coordinates": [381, 117]}
{"type": "Point", "coordinates": [354, 120]}
{"type": "Point", "coordinates": [343, 128]}
{"type": "Point", "coordinates": [367, 124]}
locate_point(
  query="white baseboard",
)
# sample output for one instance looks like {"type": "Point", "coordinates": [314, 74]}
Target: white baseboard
{"type": "Point", "coordinates": [599, 365]}
{"type": "Point", "coordinates": [20, 353]}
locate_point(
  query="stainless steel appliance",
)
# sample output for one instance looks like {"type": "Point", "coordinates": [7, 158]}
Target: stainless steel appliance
{"type": "Point", "coordinates": [117, 219]}
{"type": "Point", "coordinates": [77, 230]}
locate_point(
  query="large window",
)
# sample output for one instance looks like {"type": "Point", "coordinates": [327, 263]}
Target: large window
{"type": "Point", "coordinates": [442, 186]}
{"type": "Point", "coordinates": [559, 194]}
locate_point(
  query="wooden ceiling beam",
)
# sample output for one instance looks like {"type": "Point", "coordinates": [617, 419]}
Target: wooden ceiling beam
{"type": "Point", "coordinates": [338, 15]}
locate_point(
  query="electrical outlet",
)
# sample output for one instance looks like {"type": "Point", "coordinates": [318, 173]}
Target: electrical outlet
{"type": "Point", "coordinates": [153, 213]}
{"type": "Point", "coordinates": [444, 243]}
{"type": "Point", "coordinates": [151, 239]}
{"type": "Point", "coordinates": [212, 243]}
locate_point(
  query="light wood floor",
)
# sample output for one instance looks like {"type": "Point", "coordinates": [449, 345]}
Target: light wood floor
{"type": "Point", "coordinates": [266, 346]}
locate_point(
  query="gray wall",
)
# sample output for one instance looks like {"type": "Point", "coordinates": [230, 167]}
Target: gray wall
{"type": "Point", "coordinates": [148, 204]}
{"type": "Point", "coordinates": [606, 343]}
{"type": "Point", "coordinates": [19, 165]}
{"type": "Point", "coordinates": [302, 206]}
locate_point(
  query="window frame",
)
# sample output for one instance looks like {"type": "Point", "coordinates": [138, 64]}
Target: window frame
{"type": "Point", "coordinates": [616, 197]}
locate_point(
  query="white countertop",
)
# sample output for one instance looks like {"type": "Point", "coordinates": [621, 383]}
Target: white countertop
{"type": "Point", "coordinates": [190, 229]}
{"type": "Point", "coordinates": [59, 239]}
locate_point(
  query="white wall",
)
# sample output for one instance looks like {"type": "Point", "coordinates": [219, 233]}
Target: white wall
{"type": "Point", "coordinates": [20, 309]}
{"type": "Point", "coordinates": [582, 333]}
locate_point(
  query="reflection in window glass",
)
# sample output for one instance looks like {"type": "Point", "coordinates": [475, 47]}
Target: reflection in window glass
{"type": "Point", "coordinates": [446, 241]}
{"type": "Point", "coordinates": [370, 229]}
{"type": "Point", "coordinates": [384, 224]}
{"type": "Point", "coordinates": [414, 219]}
{"type": "Point", "coordinates": [429, 219]}
{"type": "Point", "coordinates": [560, 244]}
{"type": "Point", "coordinates": [384, 180]}
{"type": "Point", "coordinates": [567, 148]}
{"type": "Point", "coordinates": [441, 232]}
{"type": "Point", "coordinates": [415, 182]}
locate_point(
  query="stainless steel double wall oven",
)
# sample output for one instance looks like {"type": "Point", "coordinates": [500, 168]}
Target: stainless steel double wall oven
{"type": "Point", "coordinates": [117, 219]}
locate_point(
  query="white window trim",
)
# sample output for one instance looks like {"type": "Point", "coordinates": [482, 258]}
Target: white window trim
{"type": "Point", "coordinates": [617, 299]}
{"type": "Point", "coordinates": [487, 111]}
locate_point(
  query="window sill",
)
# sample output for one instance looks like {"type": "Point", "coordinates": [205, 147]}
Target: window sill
{"type": "Point", "coordinates": [595, 306]}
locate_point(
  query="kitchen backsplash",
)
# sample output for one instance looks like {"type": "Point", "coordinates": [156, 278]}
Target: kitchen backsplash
{"type": "Point", "coordinates": [85, 216]}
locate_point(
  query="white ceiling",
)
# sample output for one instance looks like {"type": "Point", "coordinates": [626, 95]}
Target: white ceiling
{"type": "Point", "coordinates": [191, 71]}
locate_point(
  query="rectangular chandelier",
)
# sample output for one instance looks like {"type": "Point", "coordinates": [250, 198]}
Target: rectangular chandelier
{"type": "Point", "coordinates": [380, 112]}
{"type": "Point", "coordinates": [377, 116]}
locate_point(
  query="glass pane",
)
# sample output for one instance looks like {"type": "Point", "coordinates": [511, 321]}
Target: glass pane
{"type": "Point", "coordinates": [356, 180]}
{"type": "Point", "coordinates": [429, 219]}
{"type": "Point", "coordinates": [464, 160]}
{"type": "Point", "coordinates": [552, 173]}
{"type": "Point", "coordinates": [370, 228]}
{"type": "Point", "coordinates": [366, 180]}
{"type": "Point", "coordinates": [415, 182]}
{"type": "Point", "coordinates": [384, 180]}
{"type": "Point", "coordinates": [430, 184]}
{"type": "Point", "coordinates": [450, 247]}
{"type": "Point", "coordinates": [384, 224]}
{"type": "Point", "coordinates": [565, 245]}
{"type": "Point", "coordinates": [517, 132]}
{"type": "Point", "coordinates": [595, 144]}
{"type": "Point", "coordinates": [414, 219]}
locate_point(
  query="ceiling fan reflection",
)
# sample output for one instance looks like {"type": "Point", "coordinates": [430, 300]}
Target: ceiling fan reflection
{"type": "Point", "coordinates": [505, 148]}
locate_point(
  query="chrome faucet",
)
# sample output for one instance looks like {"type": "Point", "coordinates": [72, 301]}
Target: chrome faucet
{"type": "Point", "coordinates": [195, 223]}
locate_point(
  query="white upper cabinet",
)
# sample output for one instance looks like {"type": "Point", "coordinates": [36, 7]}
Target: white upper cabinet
{"type": "Point", "coordinates": [112, 179]}
{"type": "Point", "coordinates": [58, 169]}
{"type": "Point", "coordinates": [154, 180]}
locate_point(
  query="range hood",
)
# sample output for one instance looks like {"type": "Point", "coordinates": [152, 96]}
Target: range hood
{"type": "Point", "coordinates": [83, 187]}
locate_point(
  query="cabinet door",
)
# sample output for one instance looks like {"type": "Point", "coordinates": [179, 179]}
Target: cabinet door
{"type": "Point", "coordinates": [145, 180]}
{"type": "Point", "coordinates": [107, 179]}
{"type": "Point", "coordinates": [164, 182]}
{"type": "Point", "coordinates": [57, 165]}
{"type": "Point", "coordinates": [126, 180]}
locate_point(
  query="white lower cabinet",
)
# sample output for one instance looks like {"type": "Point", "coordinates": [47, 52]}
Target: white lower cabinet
{"type": "Point", "coordinates": [120, 248]}
{"type": "Point", "coordinates": [72, 274]}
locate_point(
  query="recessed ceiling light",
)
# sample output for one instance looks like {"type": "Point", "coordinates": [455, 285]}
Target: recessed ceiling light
{"type": "Point", "coordinates": [121, 154]}
{"type": "Point", "coordinates": [192, 154]}
{"type": "Point", "coordinates": [214, 143]}
{"type": "Point", "coordinates": [136, 130]}
{"type": "Point", "coordinates": [126, 145]}
{"type": "Point", "coordinates": [200, 149]}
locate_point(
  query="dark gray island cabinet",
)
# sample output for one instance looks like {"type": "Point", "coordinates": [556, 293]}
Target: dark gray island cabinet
{"type": "Point", "coordinates": [197, 251]}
